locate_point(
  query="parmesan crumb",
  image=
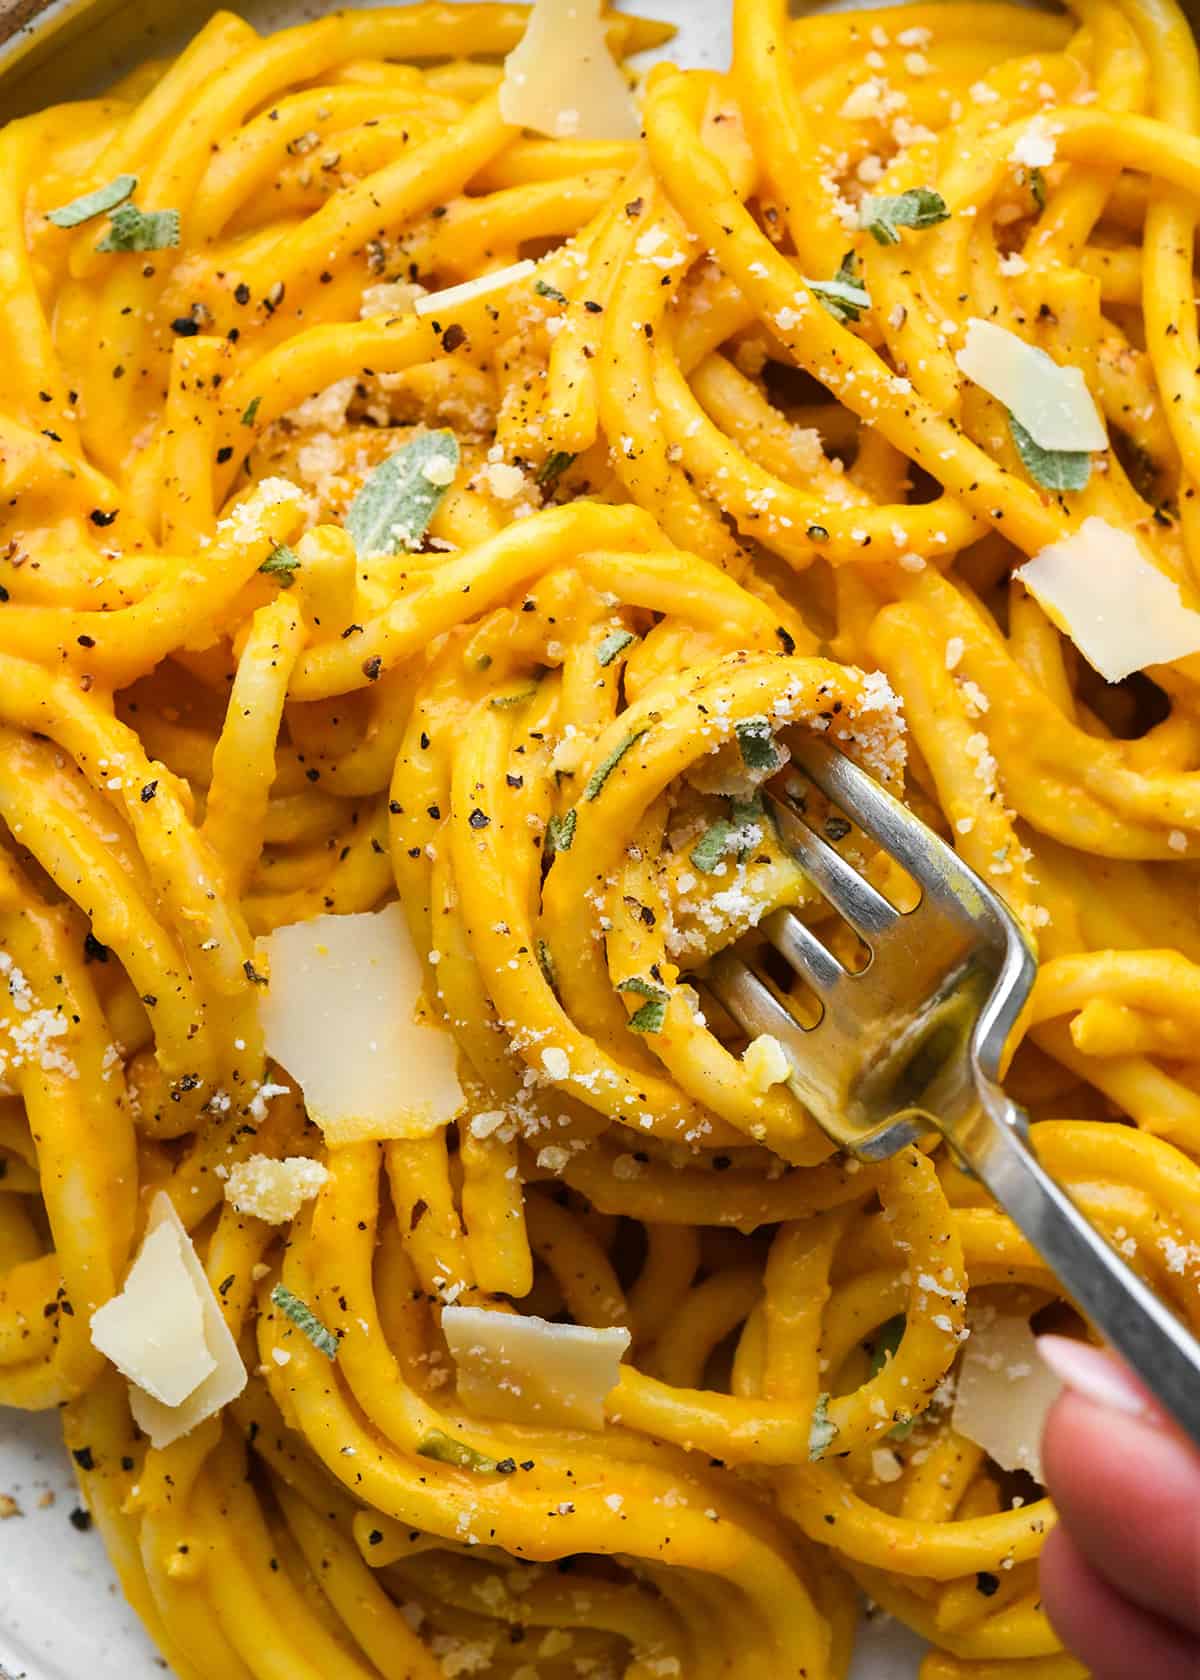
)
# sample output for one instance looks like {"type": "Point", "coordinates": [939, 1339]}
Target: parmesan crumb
{"type": "Point", "coordinates": [766, 1063]}
{"type": "Point", "coordinates": [1036, 148]}
{"type": "Point", "coordinates": [274, 1191]}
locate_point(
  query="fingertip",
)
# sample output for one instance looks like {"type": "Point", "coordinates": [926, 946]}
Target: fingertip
{"type": "Point", "coordinates": [1128, 1495]}
{"type": "Point", "coordinates": [1114, 1638]}
{"type": "Point", "coordinates": [1101, 1451]}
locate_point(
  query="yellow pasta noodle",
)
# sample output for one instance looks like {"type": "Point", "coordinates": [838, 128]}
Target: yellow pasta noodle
{"type": "Point", "coordinates": [326, 584]}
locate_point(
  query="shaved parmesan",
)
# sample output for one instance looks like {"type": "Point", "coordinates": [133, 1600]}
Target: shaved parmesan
{"type": "Point", "coordinates": [341, 1012]}
{"type": "Point", "coordinates": [1052, 403]}
{"type": "Point", "coordinates": [438, 303]}
{"type": "Point", "coordinates": [167, 1334]}
{"type": "Point", "coordinates": [1121, 612]}
{"type": "Point", "coordinates": [153, 1331]}
{"type": "Point", "coordinates": [529, 1371]}
{"type": "Point", "coordinates": [271, 1190]}
{"type": "Point", "coordinates": [1005, 1392]}
{"type": "Point", "coordinates": [562, 80]}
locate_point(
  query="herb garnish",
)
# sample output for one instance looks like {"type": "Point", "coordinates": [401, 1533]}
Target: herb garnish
{"type": "Point", "coordinates": [89, 205]}
{"type": "Point", "coordinates": [303, 1317]}
{"type": "Point", "coordinates": [707, 853]}
{"type": "Point", "coordinates": [613, 645]}
{"type": "Point", "coordinates": [1053, 469]}
{"type": "Point", "coordinates": [653, 1013]}
{"type": "Point", "coordinates": [887, 1341]}
{"type": "Point", "coordinates": [1037, 186]}
{"type": "Point", "coordinates": [395, 506]}
{"type": "Point", "coordinates": [506, 702]}
{"type": "Point", "coordinates": [823, 1431]}
{"type": "Point", "coordinates": [560, 832]}
{"type": "Point", "coordinates": [844, 296]}
{"type": "Point", "coordinates": [726, 836]}
{"type": "Point", "coordinates": [601, 774]}
{"type": "Point", "coordinates": [131, 229]}
{"type": "Point", "coordinates": [282, 562]}
{"type": "Point", "coordinates": [757, 743]}
{"type": "Point", "coordinates": [544, 289]}
{"type": "Point", "coordinates": [251, 412]}
{"type": "Point", "coordinates": [918, 208]}
{"type": "Point", "coordinates": [555, 467]}
{"type": "Point", "coordinates": [443, 1449]}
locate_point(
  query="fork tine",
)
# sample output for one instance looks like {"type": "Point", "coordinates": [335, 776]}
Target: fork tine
{"type": "Point", "coordinates": [933, 864]}
{"type": "Point", "coordinates": [817, 1079]}
{"type": "Point", "coordinates": [750, 1000]}
{"type": "Point", "coordinates": [867, 911]}
{"type": "Point", "coordinates": [800, 947]}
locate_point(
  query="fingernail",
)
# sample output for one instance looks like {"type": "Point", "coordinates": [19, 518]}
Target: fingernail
{"type": "Point", "coordinates": [1095, 1375]}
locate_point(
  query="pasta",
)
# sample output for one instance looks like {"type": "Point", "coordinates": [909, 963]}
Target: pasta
{"type": "Point", "coordinates": [686, 477]}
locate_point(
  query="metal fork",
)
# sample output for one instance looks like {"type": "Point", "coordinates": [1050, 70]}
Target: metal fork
{"type": "Point", "coordinates": [913, 1044]}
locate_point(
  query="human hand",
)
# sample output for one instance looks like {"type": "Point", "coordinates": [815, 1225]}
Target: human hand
{"type": "Point", "coordinates": [1120, 1575]}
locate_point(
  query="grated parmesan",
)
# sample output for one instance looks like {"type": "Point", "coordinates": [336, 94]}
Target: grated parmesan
{"type": "Point", "coordinates": [274, 1191]}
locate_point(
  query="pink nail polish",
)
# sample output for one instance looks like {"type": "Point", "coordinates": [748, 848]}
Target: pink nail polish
{"type": "Point", "coordinates": [1095, 1375]}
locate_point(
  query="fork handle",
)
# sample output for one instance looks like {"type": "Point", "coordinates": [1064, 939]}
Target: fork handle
{"type": "Point", "coordinates": [1166, 1357]}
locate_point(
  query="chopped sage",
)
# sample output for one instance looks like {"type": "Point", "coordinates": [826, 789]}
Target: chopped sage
{"type": "Point", "coordinates": [883, 1351]}
{"type": "Point", "coordinates": [614, 645]}
{"type": "Point", "coordinates": [707, 853]}
{"type": "Point", "coordinates": [1053, 469]}
{"type": "Point", "coordinates": [844, 296]}
{"type": "Point", "coordinates": [395, 506]}
{"type": "Point", "coordinates": [757, 743]}
{"type": "Point", "coordinates": [918, 208]}
{"type": "Point", "coordinates": [739, 833]}
{"type": "Point", "coordinates": [887, 1339]}
{"type": "Point", "coordinates": [518, 697]}
{"type": "Point", "coordinates": [560, 832]}
{"type": "Point", "coordinates": [131, 229]}
{"type": "Point", "coordinates": [557, 464]}
{"type": "Point", "coordinates": [601, 774]}
{"type": "Point", "coordinates": [443, 1449]}
{"type": "Point", "coordinates": [650, 1018]}
{"type": "Point", "coordinates": [653, 1013]}
{"type": "Point", "coordinates": [544, 289]}
{"type": "Point", "coordinates": [823, 1431]}
{"type": "Point", "coordinates": [89, 205]}
{"type": "Point", "coordinates": [747, 817]}
{"type": "Point", "coordinates": [282, 562]}
{"type": "Point", "coordinates": [303, 1317]}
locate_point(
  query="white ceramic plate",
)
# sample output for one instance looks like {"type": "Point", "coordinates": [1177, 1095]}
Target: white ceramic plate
{"type": "Point", "coordinates": [62, 1615]}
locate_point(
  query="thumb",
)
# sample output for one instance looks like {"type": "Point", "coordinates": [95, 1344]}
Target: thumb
{"type": "Point", "coordinates": [1123, 1574]}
